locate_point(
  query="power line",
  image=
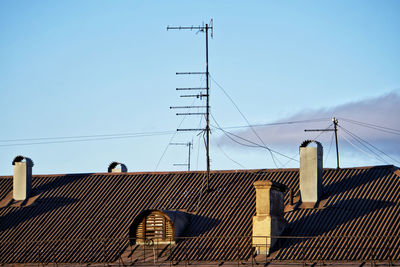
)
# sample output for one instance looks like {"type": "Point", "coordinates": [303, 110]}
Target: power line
{"type": "Point", "coordinates": [374, 126]}
{"type": "Point", "coordinates": [362, 141]}
{"type": "Point", "coordinates": [364, 144]}
{"type": "Point", "coordinates": [251, 142]}
{"type": "Point", "coordinates": [229, 133]}
{"type": "Point", "coordinates": [330, 146]}
{"type": "Point", "coordinates": [244, 117]}
{"type": "Point", "coordinates": [351, 143]}
{"type": "Point", "coordinates": [226, 155]}
{"type": "Point", "coordinates": [276, 123]}
{"type": "Point", "coordinates": [335, 123]}
{"type": "Point", "coordinates": [88, 139]}
{"type": "Point", "coordinates": [314, 139]}
{"type": "Point", "coordinates": [84, 136]}
{"type": "Point", "coordinates": [170, 140]}
{"type": "Point", "coordinates": [133, 134]}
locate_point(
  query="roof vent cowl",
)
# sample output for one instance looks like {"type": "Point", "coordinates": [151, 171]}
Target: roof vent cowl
{"type": "Point", "coordinates": [117, 167]}
{"type": "Point", "coordinates": [22, 179]}
{"type": "Point", "coordinates": [311, 168]}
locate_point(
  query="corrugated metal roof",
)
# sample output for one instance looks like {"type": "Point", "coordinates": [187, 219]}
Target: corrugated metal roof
{"type": "Point", "coordinates": [78, 214]}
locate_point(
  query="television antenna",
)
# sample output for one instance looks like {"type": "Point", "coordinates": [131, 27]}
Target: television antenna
{"type": "Point", "coordinates": [190, 146]}
{"type": "Point", "coordinates": [207, 28]}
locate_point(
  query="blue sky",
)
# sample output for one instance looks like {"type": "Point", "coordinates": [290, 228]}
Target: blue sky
{"type": "Point", "coordinates": [76, 68]}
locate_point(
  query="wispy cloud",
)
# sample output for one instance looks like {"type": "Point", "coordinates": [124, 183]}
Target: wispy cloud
{"type": "Point", "coordinates": [383, 111]}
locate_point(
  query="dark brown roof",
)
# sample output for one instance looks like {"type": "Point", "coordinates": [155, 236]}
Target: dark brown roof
{"type": "Point", "coordinates": [74, 212]}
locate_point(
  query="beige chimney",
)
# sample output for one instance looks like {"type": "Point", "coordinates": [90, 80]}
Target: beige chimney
{"type": "Point", "coordinates": [269, 221]}
{"type": "Point", "coordinates": [22, 182]}
{"type": "Point", "coordinates": [311, 171]}
{"type": "Point", "coordinates": [117, 167]}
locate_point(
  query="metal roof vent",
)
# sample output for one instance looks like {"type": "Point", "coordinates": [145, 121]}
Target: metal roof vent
{"type": "Point", "coordinates": [117, 167]}
{"type": "Point", "coordinates": [22, 180]}
{"type": "Point", "coordinates": [311, 171]}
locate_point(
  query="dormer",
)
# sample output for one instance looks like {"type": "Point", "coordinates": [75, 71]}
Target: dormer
{"type": "Point", "coordinates": [152, 227]}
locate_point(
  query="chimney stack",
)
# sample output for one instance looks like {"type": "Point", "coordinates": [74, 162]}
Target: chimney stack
{"type": "Point", "coordinates": [311, 171]}
{"type": "Point", "coordinates": [269, 221]}
{"type": "Point", "coordinates": [117, 167]}
{"type": "Point", "coordinates": [22, 182]}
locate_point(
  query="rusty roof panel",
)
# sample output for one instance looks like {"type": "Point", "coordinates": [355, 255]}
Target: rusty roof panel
{"type": "Point", "coordinates": [79, 213]}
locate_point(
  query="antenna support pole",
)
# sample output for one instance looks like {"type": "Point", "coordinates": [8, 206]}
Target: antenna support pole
{"type": "Point", "coordinates": [208, 113]}
{"type": "Point", "coordinates": [335, 124]}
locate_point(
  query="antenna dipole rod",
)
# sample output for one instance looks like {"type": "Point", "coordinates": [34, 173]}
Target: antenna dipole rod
{"type": "Point", "coordinates": [187, 107]}
{"type": "Point", "coordinates": [189, 73]}
{"type": "Point", "coordinates": [187, 28]}
{"type": "Point", "coordinates": [191, 88]}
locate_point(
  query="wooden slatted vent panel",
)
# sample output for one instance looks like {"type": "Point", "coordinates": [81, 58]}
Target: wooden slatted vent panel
{"type": "Point", "coordinates": [155, 226]}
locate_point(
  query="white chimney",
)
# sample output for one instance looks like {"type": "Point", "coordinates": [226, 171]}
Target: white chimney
{"type": "Point", "coordinates": [311, 171]}
{"type": "Point", "coordinates": [117, 167]}
{"type": "Point", "coordinates": [22, 182]}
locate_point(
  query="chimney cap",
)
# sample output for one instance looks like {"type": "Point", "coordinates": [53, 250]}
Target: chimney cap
{"type": "Point", "coordinates": [307, 142]}
{"type": "Point", "coordinates": [270, 184]}
{"type": "Point", "coordinates": [114, 164]}
{"type": "Point", "coordinates": [20, 158]}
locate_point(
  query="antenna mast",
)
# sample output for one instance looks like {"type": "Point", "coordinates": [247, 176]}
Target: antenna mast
{"type": "Point", "coordinates": [190, 146]}
{"type": "Point", "coordinates": [203, 28]}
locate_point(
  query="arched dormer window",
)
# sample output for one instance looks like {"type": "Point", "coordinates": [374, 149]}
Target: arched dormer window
{"type": "Point", "coordinates": [158, 226]}
{"type": "Point", "coordinates": [155, 226]}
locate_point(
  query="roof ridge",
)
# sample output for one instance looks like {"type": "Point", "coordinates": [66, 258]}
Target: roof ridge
{"type": "Point", "coordinates": [199, 172]}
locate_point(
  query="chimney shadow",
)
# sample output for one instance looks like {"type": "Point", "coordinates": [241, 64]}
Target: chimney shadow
{"type": "Point", "coordinates": [352, 181]}
{"type": "Point", "coordinates": [321, 222]}
{"type": "Point", "coordinates": [59, 181]}
{"type": "Point", "coordinates": [193, 239]}
{"type": "Point", "coordinates": [199, 225]}
{"type": "Point", "coordinates": [20, 215]}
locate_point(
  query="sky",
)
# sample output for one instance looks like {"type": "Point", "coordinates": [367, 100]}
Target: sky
{"type": "Point", "coordinates": [105, 70]}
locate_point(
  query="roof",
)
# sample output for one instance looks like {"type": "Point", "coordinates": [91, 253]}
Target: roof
{"type": "Point", "coordinates": [78, 213]}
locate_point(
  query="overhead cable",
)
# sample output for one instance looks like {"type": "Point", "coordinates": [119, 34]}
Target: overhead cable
{"type": "Point", "coordinates": [373, 126]}
{"type": "Point", "coordinates": [244, 117]}
{"type": "Point", "coordinates": [371, 146]}
{"type": "Point", "coordinates": [251, 142]}
{"type": "Point", "coordinates": [90, 139]}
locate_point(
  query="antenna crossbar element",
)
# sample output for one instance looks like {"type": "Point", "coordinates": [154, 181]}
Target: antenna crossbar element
{"type": "Point", "coordinates": [192, 88]}
{"type": "Point", "coordinates": [191, 113]}
{"type": "Point", "coordinates": [187, 27]}
{"type": "Point", "coordinates": [181, 164]}
{"type": "Point", "coordinates": [319, 130]}
{"type": "Point", "coordinates": [179, 144]}
{"type": "Point", "coordinates": [188, 130]}
{"type": "Point", "coordinates": [188, 107]}
{"type": "Point", "coordinates": [190, 73]}
{"type": "Point", "coordinates": [198, 96]}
